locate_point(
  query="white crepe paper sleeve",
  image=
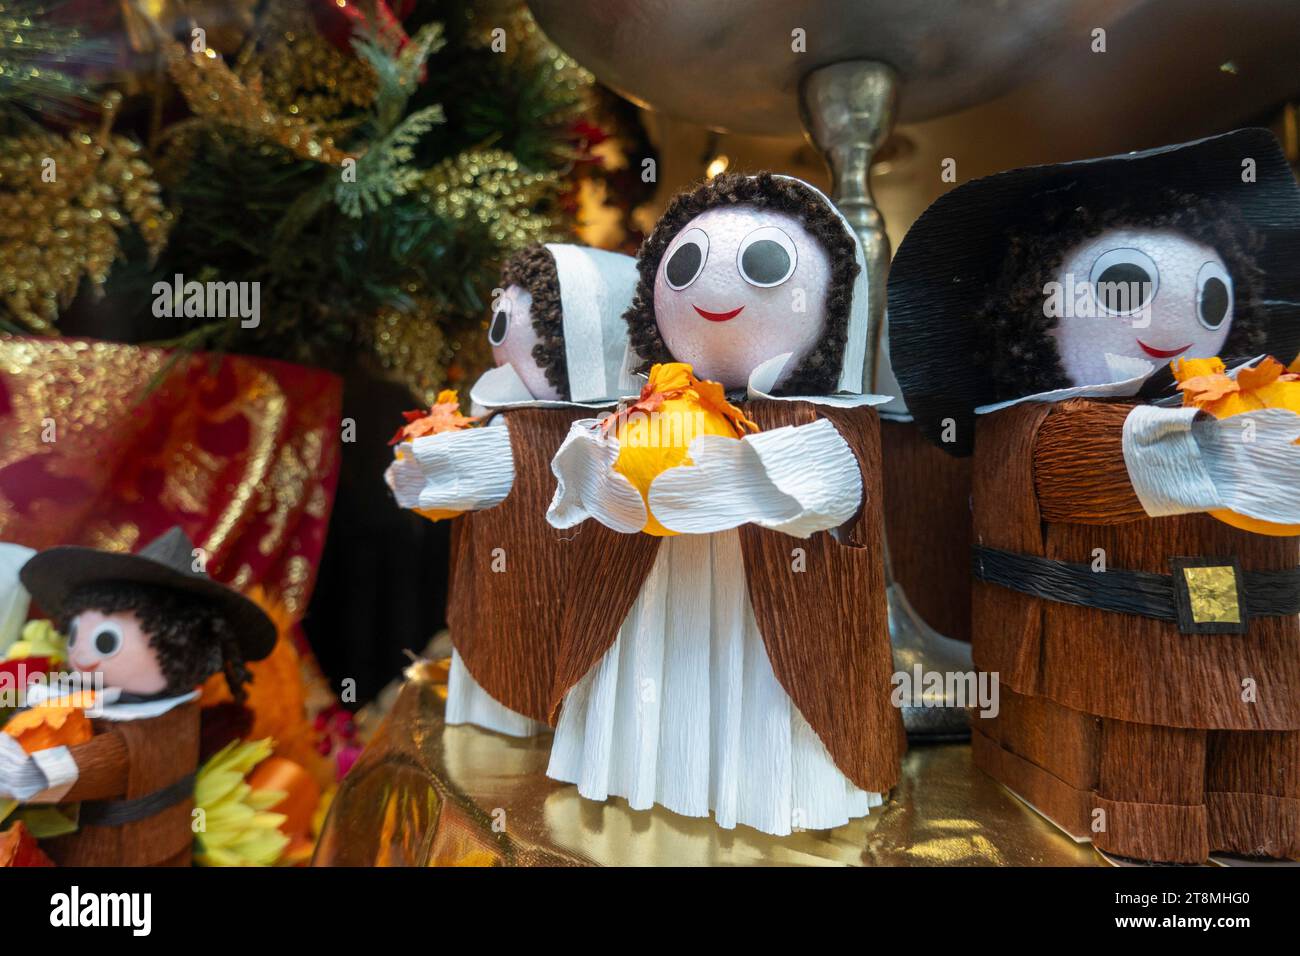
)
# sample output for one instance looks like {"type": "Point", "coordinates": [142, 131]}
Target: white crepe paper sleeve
{"type": "Point", "coordinates": [21, 777]}
{"type": "Point", "coordinates": [1164, 462]}
{"type": "Point", "coordinates": [1248, 463]}
{"type": "Point", "coordinates": [467, 470]}
{"type": "Point", "coordinates": [589, 487]}
{"type": "Point", "coordinates": [797, 480]}
{"type": "Point", "coordinates": [60, 771]}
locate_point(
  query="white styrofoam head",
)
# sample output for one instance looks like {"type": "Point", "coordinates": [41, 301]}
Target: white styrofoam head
{"type": "Point", "coordinates": [1152, 294]}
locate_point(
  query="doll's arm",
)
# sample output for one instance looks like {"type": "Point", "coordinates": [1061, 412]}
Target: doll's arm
{"type": "Point", "coordinates": [467, 470]}
{"type": "Point", "coordinates": [798, 479]}
{"type": "Point", "coordinates": [94, 770]}
{"type": "Point", "coordinates": [587, 486]}
{"type": "Point", "coordinates": [1180, 463]}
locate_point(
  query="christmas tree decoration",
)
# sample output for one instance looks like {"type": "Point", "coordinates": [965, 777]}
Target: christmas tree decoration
{"type": "Point", "coordinates": [82, 191]}
{"type": "Point", "coordinates": [215, 93]}
{"type": "Point", "coordinates": [38, 57]}
{"type": "Point", "coordinates": [370, 179]}
{"type": "Point", "coordinates": [1120, 616]}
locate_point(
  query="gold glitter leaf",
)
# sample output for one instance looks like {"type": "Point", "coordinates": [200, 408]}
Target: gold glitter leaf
{"type": "Point", "coordinates": [63, 201]}
{"type": "Point", "coordinates": [214, 92]}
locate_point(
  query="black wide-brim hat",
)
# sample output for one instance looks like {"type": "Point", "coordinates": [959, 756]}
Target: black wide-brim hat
{"type": "Point", "coordinates": [52, 576]}
{"type": "Point", "coordinates": [951, 258]}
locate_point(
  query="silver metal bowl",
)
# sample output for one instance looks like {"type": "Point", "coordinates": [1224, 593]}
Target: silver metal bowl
{"type": "Point", "coordinates": [735, 66]}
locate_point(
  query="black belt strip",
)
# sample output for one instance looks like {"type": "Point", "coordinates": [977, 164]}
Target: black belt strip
{"type": "Point", "coordinates": [1267, 593]}
{"type": "Point", "coordinates": [115, 813]}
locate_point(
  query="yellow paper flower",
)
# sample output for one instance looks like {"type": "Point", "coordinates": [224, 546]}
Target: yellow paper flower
{"type": "Point", "coordinates": [1205, 384]}
{"type": "Point", "coordinates": [237, 830]}
{"type": "Point", "coordinates": [39, 639]}
{"type": "Point", "coordinates": [655, 432]}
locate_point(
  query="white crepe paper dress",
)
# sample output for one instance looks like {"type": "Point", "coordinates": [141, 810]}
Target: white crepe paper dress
{"type": "Point", "coordinates": [468, 470]}
{"type": "Point", "coordinates": [684, 709]}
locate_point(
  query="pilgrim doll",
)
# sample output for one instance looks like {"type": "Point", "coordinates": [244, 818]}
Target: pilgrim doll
{"type": "Point", "coordinates": [1148, 653]}
{"type": "Point", "coordinates": [557, 335]}
{"type": "Point", "coordinates": [727, 651]}
{"type": "Point", "coordinates": [144, 631]}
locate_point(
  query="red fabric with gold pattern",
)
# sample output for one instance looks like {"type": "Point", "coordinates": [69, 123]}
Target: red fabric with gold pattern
{"type": "Point", "coordinates": [106, 445]}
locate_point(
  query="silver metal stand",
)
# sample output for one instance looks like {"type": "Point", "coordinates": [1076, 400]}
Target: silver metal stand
{"type": "Point", "coordinates": [848, 110]}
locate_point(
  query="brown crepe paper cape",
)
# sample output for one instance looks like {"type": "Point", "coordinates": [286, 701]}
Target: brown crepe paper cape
{"type": "Point", "coordinates": [1124, 713]}
{"type": "Point", "coordinates": [825, 628]}
{"type": "Point", "coordinates": [506, 625]}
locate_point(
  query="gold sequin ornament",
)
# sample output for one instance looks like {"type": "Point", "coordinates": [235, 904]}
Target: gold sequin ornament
{"type": "Point", "coordinates": [303, 74]}
{"type": "Point", "coordinates": [409, 347]}
{"type": "Point", "coordinates": [215, 92]}
{"type": "Point", "coordinates": [491, 187]}
{"type": "Point", "coordinates": [63, 202]}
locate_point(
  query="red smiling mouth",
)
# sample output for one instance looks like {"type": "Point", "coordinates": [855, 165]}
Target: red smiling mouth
{"type": "Point", "coordinates": [718, 316]}
{"type": "Point", "coordinates": [1163, 353]}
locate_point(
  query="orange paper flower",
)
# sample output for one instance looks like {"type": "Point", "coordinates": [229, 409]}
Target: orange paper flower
{"type": "Point", "coordinates": [443, 416]}
{"type": "Point", "coordinates": [655, 431]}
{"type": "Point", "coordinates": [60, 724]}
{"type": "Point", "coordinates": [1206, 385]}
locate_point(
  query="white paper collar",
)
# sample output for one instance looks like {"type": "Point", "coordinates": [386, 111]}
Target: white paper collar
{"type": "Point", "coordinates": [109, 709]}
{"type": "Point", "coordinates": [1128, 375]}
{"type": "Point", "coordinates": [763, 379]}
{"type": "Point", "coordinates": [501, 389]}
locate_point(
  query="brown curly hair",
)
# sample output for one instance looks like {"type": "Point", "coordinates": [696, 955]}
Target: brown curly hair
{"type": "Point", "coordinates": [1018, 349]}
{"type": "Point", "coordinates": [533, 270]}
{"type": "Point", "coordinates": [192, 638]}
{"type": "Point", "coordinates": [819, 371]}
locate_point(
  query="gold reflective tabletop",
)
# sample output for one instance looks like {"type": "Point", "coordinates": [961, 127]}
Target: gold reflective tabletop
{"type": "Point", "coordinates": [424, 793]}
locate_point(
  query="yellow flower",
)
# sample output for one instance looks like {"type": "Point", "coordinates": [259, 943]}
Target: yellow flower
{"type": "Point", "coordinates": [655, 432]}
{"type": "Point", "coordinates": [1206, 385]}
{"type": "Point", "coordinates": [236, 828]}
{"type": "Point", "coordinates": [39, 639]}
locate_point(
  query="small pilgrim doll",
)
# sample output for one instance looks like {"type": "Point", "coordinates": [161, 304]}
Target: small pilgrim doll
{"type": "Point", "coordinates": [144, 631]}
{"type": "Point", "coordinates": [734, 656]}
{"type": "Point", "coordinates": [560, 343]}
{"type": "Point", "coordinates": [1148, 653]}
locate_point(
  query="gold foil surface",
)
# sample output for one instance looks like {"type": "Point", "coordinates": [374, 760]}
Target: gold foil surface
{"type": "Point", "coordinates": [1213, 594]}
{"type": "Point", "coordinates": [426, 794]}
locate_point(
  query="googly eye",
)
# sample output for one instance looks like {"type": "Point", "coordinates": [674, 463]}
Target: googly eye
{"type": "Point", "coordinates": [685, 263]}
{"type": "Point", "coordinates": [500, 323]}
{"type": "Point", "coordinates": [766, 257]}
{"type": "Point", "coordinates": [72, 633]}
{"type": "Point", "coordinates": [1213, 295]}
{"type": "Point", "coordinates": [1124, 281]}
{"type": "Point", "coordinates": [106, 640]}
